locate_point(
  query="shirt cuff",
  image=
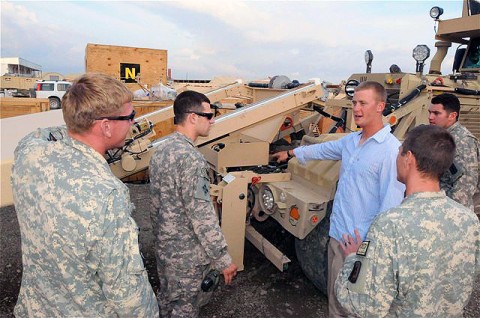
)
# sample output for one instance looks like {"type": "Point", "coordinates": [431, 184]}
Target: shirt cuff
{"type": "Point", "coordinates": [299, 154]}
{"type": "Point", "coordinates": [223, 262]}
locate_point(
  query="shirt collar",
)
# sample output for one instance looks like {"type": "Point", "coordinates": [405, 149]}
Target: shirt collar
{"type": "Point", "coordinates": [380, 135]}
{"type": "Point", "coordinates": [182, 136]}
{"type": "Point", "coordinates": [452, 128]}
{"type": "Point", "coordinates": [431, 195]}
{"type": "Point", "coordinates": [87, 150]}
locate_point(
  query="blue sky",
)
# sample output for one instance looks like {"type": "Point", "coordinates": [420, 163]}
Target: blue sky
{"type": "Point", "coordinates": [248, 40]}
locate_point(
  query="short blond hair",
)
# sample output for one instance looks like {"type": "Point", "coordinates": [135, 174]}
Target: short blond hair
{"type": "Point", "coordinates": [91, 96]}
{"type": "Point", "coordinates": [378, 89]}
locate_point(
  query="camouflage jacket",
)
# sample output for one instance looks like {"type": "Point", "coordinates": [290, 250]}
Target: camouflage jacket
{"type": "Point", "coordinates": [419, 259]}
{"type": "Point", "coordinates": [79, 243]}
{"type": "Point", "coordinates": [184, 220]}
{"type": "Point", "coordinates": [460, 183]}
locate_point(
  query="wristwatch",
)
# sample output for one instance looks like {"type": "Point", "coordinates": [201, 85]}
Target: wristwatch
{"type": "Point", "coordinates": [291, 154]}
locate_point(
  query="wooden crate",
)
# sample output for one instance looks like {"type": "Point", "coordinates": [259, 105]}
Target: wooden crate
{"type": "Point", "coordinates": [124, 63]}
{"type": "Point", "coordinates": [16, 106]}
{"type": "Point", "coordinates": [144, 107]}
{"type": "Point", "coordinates": [12, 82]}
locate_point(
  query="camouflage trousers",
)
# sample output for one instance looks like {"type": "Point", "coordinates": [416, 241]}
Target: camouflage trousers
{"type": "Point", "coordinates": [180, 294]}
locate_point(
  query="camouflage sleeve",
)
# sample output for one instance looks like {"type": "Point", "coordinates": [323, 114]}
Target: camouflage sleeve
{"type": "Point", "coordinates": [203, 217]}
{"type": "Point", "coordinates": [477, 256]}
{"type": "Point", "coordinates": [366, 285]}
{"type": "Point", "coordinates": [467, 157]}
{"type": "Point", "coordinates": [120, 265]}
{"type": "Point", "coordinates": [41, 135]}
{"type": "Point", "coordinates": [155, 175]}
{"type": "Point", "coordinates": [153, 208]}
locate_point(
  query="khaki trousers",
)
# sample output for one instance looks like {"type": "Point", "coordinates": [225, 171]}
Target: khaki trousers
{"type": "Point", "coordinates": [335, 263]}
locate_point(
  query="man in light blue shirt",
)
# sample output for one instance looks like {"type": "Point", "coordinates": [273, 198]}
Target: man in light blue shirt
{"type": "Point", "coordinates": [368, 180]}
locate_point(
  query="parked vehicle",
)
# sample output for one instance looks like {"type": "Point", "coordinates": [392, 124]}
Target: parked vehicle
{"type": "Point", "coordinates": [53, 90]}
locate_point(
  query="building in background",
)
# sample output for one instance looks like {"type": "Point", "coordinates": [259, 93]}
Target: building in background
{"type": "Point", "coordinates": [16, 66]}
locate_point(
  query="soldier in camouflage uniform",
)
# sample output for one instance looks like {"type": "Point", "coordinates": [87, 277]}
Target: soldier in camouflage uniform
{"type": "Point", "coordinates": [188, 236]}
{"type": "Point", "coordinates": [79, 242]}
{"type": "Point", "coordinates": [460, 181]}
{"type": "Point", "coordinates": [421, 258]}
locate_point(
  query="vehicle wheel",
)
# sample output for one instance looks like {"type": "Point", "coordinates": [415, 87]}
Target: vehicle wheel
{"type": "Point", "coordinates": [312, 253]}
{"type": "Point", "coordinates": [54, 102]}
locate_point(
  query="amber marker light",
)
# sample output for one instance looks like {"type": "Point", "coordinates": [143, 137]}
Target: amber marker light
{"type": "Point", "coordinates": [294, 213]}
{"type": "Point", "coordinates": [392, 120]}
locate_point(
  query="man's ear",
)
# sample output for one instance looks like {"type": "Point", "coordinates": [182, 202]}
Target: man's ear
{"type": "Point", "coordinates": [106, 128]}
{"type": "Point", "coordinates": [411, 160]}
{"type": "Point", "coordinates": [380, 107]}
{"type": "Point", "coordinates": [191, 118]}
{"type": "Point", "coordinates": [453, 116]}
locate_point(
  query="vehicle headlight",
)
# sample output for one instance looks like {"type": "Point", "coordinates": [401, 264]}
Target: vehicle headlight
{"type": "Point", "coordinates": [436, 12]}
{"type": "Point", "coordinates": [421, 53]}
{"type": "Point", "coordinates": [267, 199]}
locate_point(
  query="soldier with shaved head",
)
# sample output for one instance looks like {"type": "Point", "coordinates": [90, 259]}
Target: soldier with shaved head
{"type": "Point", "coordinates": [419, 259]}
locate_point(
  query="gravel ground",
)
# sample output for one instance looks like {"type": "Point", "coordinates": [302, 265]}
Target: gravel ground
{"type": "Point", "coordinates": [259, 291]}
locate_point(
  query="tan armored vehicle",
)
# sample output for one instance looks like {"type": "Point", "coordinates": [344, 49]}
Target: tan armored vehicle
{"type": "Point", "coordinates": [409, 97]}
{"type": "Point", "coordinates": [249, 189]}
{"type": "Point", "coordinates": [255, 121]}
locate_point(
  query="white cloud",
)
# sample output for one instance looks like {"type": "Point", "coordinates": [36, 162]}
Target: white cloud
{"type": "Point", "coordinates": [252, 39]}
{"type": "Point", "coordinates": [24, 18]}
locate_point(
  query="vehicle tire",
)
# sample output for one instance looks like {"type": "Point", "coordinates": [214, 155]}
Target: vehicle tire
{"type": "Point", "coordinates": [54, 102]}
{"type": "Point", "coordinates": [312, 253]}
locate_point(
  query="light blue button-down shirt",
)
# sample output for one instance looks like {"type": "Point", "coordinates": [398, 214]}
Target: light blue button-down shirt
{"type": "Point", "coordinates": [368, 178]}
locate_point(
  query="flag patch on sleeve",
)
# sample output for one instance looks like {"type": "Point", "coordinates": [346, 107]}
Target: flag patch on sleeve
{"type": "Point", "coordinates": [362, 250]}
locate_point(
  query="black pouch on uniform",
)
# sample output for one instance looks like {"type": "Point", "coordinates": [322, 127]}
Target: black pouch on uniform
{"type": "Point", "coordinates": [208, 285]}
{"type": "Point", "coordinates": [211, 280]}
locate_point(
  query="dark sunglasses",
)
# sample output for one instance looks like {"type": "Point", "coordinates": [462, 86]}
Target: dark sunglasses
{"type": "Point", "coordinates": [206, 115]}
{"type": "Point", "coordinates": [128, 117]}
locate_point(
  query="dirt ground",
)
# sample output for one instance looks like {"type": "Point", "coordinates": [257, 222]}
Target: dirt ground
{"type": "Point", "coordinates": [259, 291]}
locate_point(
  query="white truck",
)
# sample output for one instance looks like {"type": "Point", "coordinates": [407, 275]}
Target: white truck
{"type": "Point", "coordinates": [53, 90]}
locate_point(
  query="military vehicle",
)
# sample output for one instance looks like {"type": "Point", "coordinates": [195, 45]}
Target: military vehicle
{"type": "Point", "coordinates": [409, 97]}
{"type": "Point", "coordinates": [248, 188]}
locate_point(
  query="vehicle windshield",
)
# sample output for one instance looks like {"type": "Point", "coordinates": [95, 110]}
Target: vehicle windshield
{"type": "Point", "coordinates": [474, 6]}
{"type": "Point", "coordinates": [472, 58]}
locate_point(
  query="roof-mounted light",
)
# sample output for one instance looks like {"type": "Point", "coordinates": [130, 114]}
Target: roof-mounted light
{"type": "Point", "coordinates": [436, 12]}
{"type": "Point", "coordinates": [368, 60]}
{"type": "Point", "coordinates": [421, 53]}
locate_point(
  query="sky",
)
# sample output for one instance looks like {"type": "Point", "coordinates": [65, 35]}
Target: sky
{"type": "Point", "coordinates": [242, 39]}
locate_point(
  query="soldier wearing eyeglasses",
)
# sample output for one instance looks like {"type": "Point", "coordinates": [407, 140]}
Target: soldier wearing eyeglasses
{"type": "Point", "coordinates": [189, 240]}
{"type": "Point", "coordinates": [79, 241]}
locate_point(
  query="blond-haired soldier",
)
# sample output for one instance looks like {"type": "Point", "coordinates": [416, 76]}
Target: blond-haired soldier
{"type": "Point", "coordinates": [79, 242]}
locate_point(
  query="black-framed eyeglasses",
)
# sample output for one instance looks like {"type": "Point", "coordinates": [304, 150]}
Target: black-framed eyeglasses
{"type": "Point", "coordinates": [206, 115]}
{"type": "Point", "coordinates": [127, 117]}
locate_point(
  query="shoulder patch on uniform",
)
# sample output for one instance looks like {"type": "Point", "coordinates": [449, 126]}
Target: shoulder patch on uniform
{"type": "Point", "coordinates": [363, 248]}
{"type": "Point", "coordinates": [202, 190]}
